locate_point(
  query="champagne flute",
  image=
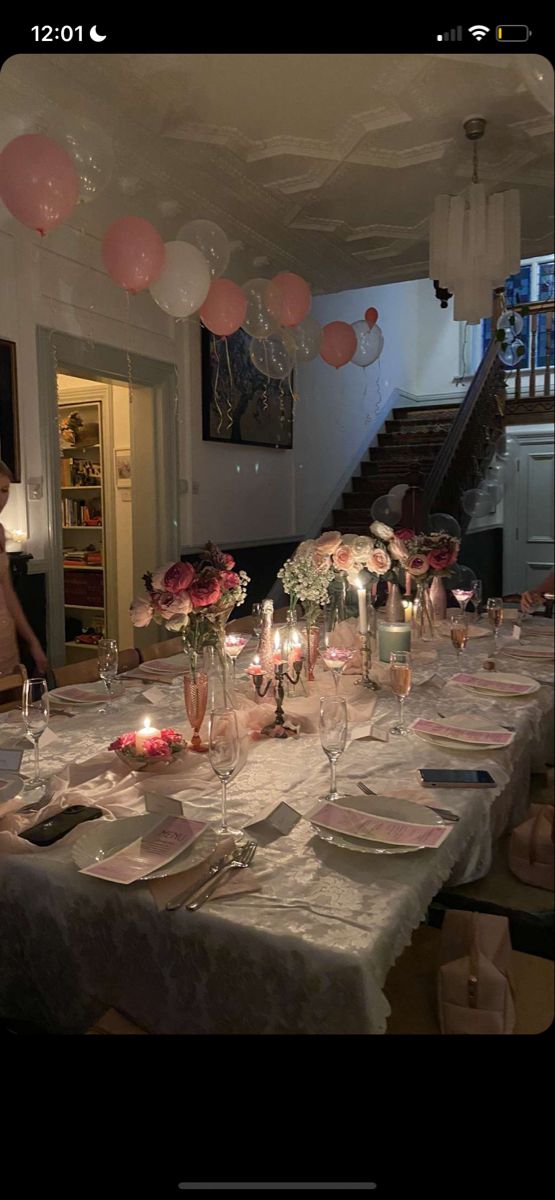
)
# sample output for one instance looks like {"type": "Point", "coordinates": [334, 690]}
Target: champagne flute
{"type": "Point", "coordinates": [224, 752]}
{"type": "Point", "coordinates": [494, 610]}
{"type": "Point", "coordinates": [256, 612]}
{"type": "Point", "coordinates": [333, 735]}
{"type": "Point", "coordinates": [335, 658]}
{"type": "Point", "coordinates": [400, 678]}
{"type": "Point", "coordinates": [464, 594]}
{"type": "Point", "coordinates": [35, 708]}
{"type": "Point", "coordinates": [108, 664]}
{"type": "Point", "coordinates": [459, 632]}
{"type": "Point", "coordinates": [234, 644]}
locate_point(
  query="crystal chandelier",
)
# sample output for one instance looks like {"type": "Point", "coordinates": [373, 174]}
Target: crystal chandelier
{"type": "Point", "coordinates": [475, 243]}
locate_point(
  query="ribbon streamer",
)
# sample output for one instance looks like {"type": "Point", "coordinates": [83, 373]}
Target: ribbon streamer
{"type": "Point", "coordinates": [216, 355]}
{"type": "Point", "coordinates": [229, 412]}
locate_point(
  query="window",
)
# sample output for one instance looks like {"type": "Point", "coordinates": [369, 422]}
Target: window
{"type": "Point", "coordinates": [533, 282]}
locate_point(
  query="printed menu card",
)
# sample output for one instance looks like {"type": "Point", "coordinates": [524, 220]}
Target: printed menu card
{"type": "Point", "coordinates": [159, 846]}
{"type": "Point", "coordinates": [338, 819]}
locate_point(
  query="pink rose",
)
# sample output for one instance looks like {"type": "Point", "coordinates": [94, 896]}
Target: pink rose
{"type": "Point", "coordinates": [378, 561]}
{"type": "Point", "coordinates": [141, 612]}
{"type": "Point", "coordinates": [228, 580]}
{"type": "Point", "coordinates": [174, 604]}
{"type": "Point", "coordinates": [343, 557]}
{"type": "Point", "coordinates": [328, 542]}
{"type": "Point", "coordinates": [397, 549]}
{"type": "Point", "coordinates": [229, 561]}
{"type": "Point", "coordinates": [440, 560]}
{"type": "Point", "coordinates": [418, 564]}
{"type": "Point", "coordinates": [205, 590]}
{"type": "Point", "coordinates": [171, 737]}
{"type": "Point", "coordinates": [178, 577]}
{"type": "Point", "coordinates": [158, 577]}
{"type": "Point", "coordinates": [156, 747]}
{"type": "Point", "coordinates": [125, 739]}
{"type": "Point", "coordinates": [405, 535]}
{"type": "Point", "coordinates": [320, 560]}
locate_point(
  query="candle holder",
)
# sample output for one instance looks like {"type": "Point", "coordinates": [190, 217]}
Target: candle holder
{"type": "Point", "coordinates": [278, 727]}
{"type": "Point", "coordinates": [366, 663]}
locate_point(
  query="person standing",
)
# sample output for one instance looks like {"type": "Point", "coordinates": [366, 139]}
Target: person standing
{"type": "Point", "coordinates": [12, 618]}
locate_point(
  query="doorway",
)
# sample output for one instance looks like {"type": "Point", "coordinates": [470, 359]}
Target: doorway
{"type": "Point", "coordinates": [111, 488]}
{"type": "Point", "coordinates": [528, 533]}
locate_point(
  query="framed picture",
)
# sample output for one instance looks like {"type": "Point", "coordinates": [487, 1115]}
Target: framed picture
{"type": "Point", "coordinates": [123, 468]}
{"type": "Point", "coordinates": [239, 405]}
{"type": "Point", "coordinates": [9, 424]}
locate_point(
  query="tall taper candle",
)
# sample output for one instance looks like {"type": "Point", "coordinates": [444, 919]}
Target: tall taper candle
{"type": "Point", "coordinates": [362, 610]}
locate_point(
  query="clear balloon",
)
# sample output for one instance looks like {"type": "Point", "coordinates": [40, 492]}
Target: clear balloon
{"type": "Point", "coordinates": [400, 489]}
{"type": "Point", "coordinates": [476, 502]}
{"type": "Point", "coordinates": [385, 509]}
{"type": "Point", "coordinates": [223, 311]}
{"type": "Point", "coordinates": [185, 281]}
{"type": "Point", "coordinates": [93, 157]}
{"type": "Point", "coordinates": [494, 489]}
{"type": "Point", "coordinates": [271, 357]}
{"type": "Point", "coordinates": [308, 339]}
{"type": "Point", "coordinates": [38, 181]}
{"type": "Point", "coordinates": [339, 343]}
{"type": "Point", "coordinates": [133, 253]}
{"type": "Point", "coordinates": [511, 323]}
{"type": "Point", "coordinates": [497, 471]}
{"type": "Point", "coordinates": [263, 308]}
{"type": "Point", "coordinates": [211, 241]}
{"type": "Point", "coordinates": [442, 523]}
{"type": "Point", "coordinates": [369, 344]}
{"type": "Point", "coordinates": [513, 353]}
{"type": "Point", "coordinates": [296, 298]}
{"type": "Point", "coordinates": [460, 577]}
{"type": "Point", "coordinates": [505, 446]}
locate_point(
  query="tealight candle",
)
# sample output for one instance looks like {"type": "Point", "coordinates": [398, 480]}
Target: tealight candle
{"type": "Point", "coordinates": [391, 638]}
{"type": "Point", "coordinates": [255, 667]}
{"type": "Point", "coordinates": [142, 735]}
{"type": "Point", "coordinates": [362, 609]}
{"type": "Point", "coordinates": [407, 605]}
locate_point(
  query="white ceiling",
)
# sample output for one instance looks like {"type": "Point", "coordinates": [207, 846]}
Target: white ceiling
{"type": "Point", "coordinates": [323, 164]}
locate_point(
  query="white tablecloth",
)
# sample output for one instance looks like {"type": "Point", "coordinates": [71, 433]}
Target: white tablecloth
{"type": "Point", "coordinates": [310, 952]}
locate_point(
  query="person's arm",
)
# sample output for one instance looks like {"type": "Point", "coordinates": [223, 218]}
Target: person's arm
{"type": "Point", "coordinates": [22, 625]}
{"type": "Point", "coordinates": [529, 599]}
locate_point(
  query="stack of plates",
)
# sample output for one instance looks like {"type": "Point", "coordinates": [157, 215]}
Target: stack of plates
{"type": "Point", "coordinates": [79, 694]}
{"type": "Point", "coordinates": [379, 806]}
{"type": "Point", "coordinates": [159, 670]}
{"type": "Point", "coordinates": [472, 735]}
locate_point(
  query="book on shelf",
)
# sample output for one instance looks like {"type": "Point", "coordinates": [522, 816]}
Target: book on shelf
{"type": "Point", "coordinates": [80, 512]}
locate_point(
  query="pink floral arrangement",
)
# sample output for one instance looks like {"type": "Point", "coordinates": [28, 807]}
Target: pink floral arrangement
{"type": "Point", "coordinates": [187, 597]}
{"type": "Point", "coordinates": [163, 746]}
{"type": "Point", "coordinates": [428, 555]}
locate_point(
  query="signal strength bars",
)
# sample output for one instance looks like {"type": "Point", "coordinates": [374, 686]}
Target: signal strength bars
{"type": "Point", "coordinates": [454, 36]}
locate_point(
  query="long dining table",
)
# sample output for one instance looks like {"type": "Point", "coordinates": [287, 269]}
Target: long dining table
{"type": "Point", "coordinates": [307, 953]}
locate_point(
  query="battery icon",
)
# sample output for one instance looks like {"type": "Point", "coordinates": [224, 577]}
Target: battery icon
{"type": "Point", "coordinates": [512, 33]}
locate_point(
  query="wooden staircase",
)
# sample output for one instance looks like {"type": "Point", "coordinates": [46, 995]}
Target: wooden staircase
{"type": "Point", "coordinates": [408, 445]}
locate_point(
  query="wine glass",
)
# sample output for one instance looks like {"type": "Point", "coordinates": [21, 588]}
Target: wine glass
{"type": "Point", "coordinates": [333, 735]}
{"type": "Point", "coordinates": [335, 658]}
{"type": "Point", "coordinates": [35, 708]}
{"type": "Point", "coordinates": [234, 644]}
{"type": "Point", "coordinates": [459, 632]}
{"type": "Point", "coordinates": [463, 584]}
{"type": "Point", "coordinates": [400, 678]}
{"type": "Point", "coordinates": [256, 612]}
{"type": "Point", "coordinates": [464, 594]}
{"type": "Point", "coordinates": [494, 609]}
{"type": "Point", "coordinates": [108, 664]}
{"type": "Point", "coordinates": [224, 752]}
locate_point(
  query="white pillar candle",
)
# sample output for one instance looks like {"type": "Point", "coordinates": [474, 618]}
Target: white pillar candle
{"type": "Point", "coordinates": [407, 605]}
{"type": "Point", "coordinates": [142, 735]}
{"type": "Point", "coordinates": [362, 610]}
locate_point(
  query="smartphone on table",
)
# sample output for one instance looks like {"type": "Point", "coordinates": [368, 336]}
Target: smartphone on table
{"type": "Point", "coordinates": [46, 832]}
{"type": "Point", "coordinates": [430, 777]}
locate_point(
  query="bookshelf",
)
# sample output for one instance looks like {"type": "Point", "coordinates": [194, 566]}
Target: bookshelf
{"type": "Point", "coordinates": [82, 518]}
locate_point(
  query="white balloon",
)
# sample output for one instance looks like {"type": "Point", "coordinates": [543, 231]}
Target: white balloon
{"type": "Point", "coordinates": [211, 241]}
{"type": "Point", "coordinates": [92, 153]}
{"type": "Point", "coordinates": [307, 336]}
{"type": "Point", "coordinates": [505, 446]}
{"type": "Point", "coordinates": [443, 523]}
{"type": "Point", "coordinates": [369, 344]}
{"type": "Point", "coordinates": [263, 308]}
{"type": "Point", "coordinates": [271, 357]}
{"type": "Point", "coordinates": [185, 281]}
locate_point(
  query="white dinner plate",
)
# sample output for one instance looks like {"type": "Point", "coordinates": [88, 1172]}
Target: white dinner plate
{"type": "Point", "coordinates": [501, 677]}
{"type": "Point", "coordinates": [379, 806]}
{"type": "Point", "coordinates": [10, 786]}
{"type": "Point", "coordinates": [102, 838]}
{"type": "Point", "coordinates": [464, 721]}
{"type": "Point", "coordinates": [64, 695]}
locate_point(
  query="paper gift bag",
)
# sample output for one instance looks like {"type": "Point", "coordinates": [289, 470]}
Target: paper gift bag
{"type": "Point", "coordinates": [474, 986]}
{"type": "Point", "coordinates": [532, 849]}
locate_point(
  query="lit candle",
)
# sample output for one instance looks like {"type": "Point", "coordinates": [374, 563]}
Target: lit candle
{"type": "Point", "coordinates": [407, 605]}
{"type": "Point", "coordinates": [296, 649]}
{"type": "Point", "coordinates": [144, 734]}
{"type": "Point", "coordinates": [255, 667]}
{"type": "Point", "coordinates": [277, 656]}
{"type": "Point", "coordinates": [362, 608]}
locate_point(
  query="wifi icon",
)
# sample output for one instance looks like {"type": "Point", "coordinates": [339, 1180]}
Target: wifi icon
{"type": "Point", "coordinates": [478, 31]}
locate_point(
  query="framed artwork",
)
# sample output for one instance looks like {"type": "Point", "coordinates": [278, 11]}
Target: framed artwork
{"type": "Point", "coordinates": [9, 424]}
{"type": "Point", "coordinates": [123, 468]}
{"type": "Point", "coordinates": [239, 405]}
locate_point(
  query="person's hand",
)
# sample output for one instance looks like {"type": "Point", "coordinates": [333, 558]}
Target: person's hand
{"type": "Point", "coordinates": [529, 600]}
{"type": "Point", "coordinates": [41, 661]}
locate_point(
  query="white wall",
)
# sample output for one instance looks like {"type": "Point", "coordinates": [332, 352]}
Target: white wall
{"type": "Point", "coordinates": [124, 517]}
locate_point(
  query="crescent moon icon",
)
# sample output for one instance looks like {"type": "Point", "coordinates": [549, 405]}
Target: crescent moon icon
{"type": "Point", "coordinates": [97, 37]}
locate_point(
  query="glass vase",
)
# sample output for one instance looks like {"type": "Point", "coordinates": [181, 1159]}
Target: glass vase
{"type": "Point", "coordinates": [195, 690]}
{"type": "Point", "coordinates": [438, 598]}
{"type": "Point", "coordinates": [422, 613]}
{"type": "Point", "coordinates": [394, 610]}
{"type": "Point", "coordinates": [312, 641]}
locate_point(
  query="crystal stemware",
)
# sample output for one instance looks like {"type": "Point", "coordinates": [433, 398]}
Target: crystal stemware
{"type": "Point", "coordinates": [333, 735]}
{"type": "Point", "coordinates": [459, 632]}
{"type": "Point", "coordinates": [224, 752]}
{"type": "Point", "coordinates": [234, 643]}
{"type": "Point", "coordinates": [335, 658]}
{"type": "Point", "coordinates": [463, 595]}
{"type": "Point", "coordinates": [494, 610]}
{"type": "Point", "coordinates": [35, 709]}
{"type": "Point", "coordinates": [108, 664]}
{"type": "Point", "coordinates": [400, 678]}
{"type": "Point", "coordinates": [195, 691]}
{"type": "Point", "coordinates": [256, 612]}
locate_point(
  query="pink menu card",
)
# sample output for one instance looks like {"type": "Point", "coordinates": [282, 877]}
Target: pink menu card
{"type": "Point", "coordinates": [475, 737]}
{"type": "Point", "coordinates": [158, 847]}
{"type": "Point", "coordinates": [377, 829]}
{"type": "Point", "coordinates": [486, 684]}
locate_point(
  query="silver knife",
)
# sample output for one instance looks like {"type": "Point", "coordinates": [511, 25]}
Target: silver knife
{"type": "Point", "coordinates": [445, 813]}
{"type": "Point", "coordinates": [241, 858]}
{"type": "Point", "coordinates": [193, 888]}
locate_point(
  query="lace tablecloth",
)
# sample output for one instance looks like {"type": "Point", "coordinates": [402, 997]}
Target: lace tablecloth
{"type": "Point", "coordinates": [310, 952]}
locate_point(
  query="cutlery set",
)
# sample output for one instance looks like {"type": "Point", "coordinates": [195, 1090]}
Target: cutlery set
{"type": "Point", "coordinates": [195, 895]}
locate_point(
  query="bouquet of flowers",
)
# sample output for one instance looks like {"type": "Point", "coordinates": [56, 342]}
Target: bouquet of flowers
{"type": "Point", "coordinates": [428, 555]}
{"type": "Point", "coordinates": [306, 578]}
{"type": "Point", "coordinates": [158, 750]}
{"type": "Point", "coordinates": [194, 599]}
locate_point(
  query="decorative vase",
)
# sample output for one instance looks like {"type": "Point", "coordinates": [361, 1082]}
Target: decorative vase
{"type": "Point", "coordinates": [394, 610]}
{"type": "Point", "coordinates": [422, 613]}
{"type": "Point", "coordinates": [438, 598]}
{"type": "Point", "coordinates": [265, 644]}
{"type": "Point", "coordinates": [312, 640]}
{"type": "Point", "coordinates": [195, 689]}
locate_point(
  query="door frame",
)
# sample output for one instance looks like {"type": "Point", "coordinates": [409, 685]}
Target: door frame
{"type": "Point", "coordinates": [514, 501]}
{"type": "Point", "coordinates": [63, 353]}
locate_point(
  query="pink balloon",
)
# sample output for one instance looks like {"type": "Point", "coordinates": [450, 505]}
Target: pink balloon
{"type": "Point", "coordinates": [371, 316]}
{"type": "Point", "coordinates": [133, 253]}
{"type": "Point", "coordinates": [338, 343]}
{"type": "Point", "coordinates": [225, 307]}
{"type": "Point", "coordinates": [295, 296]}
{"type": "Point", "coordinates": [38, 181]}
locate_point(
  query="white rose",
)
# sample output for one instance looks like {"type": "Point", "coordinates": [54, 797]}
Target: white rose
{"type": "Point", "coordinates": [381, 531]}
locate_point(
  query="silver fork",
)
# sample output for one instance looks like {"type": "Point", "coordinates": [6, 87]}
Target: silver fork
{"type": "Point", "coordinates": [189, 892]}
{"type": "Point", "coordinates": [242, 858]}
{"type": "Point", "coordinates": [511, 728]}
